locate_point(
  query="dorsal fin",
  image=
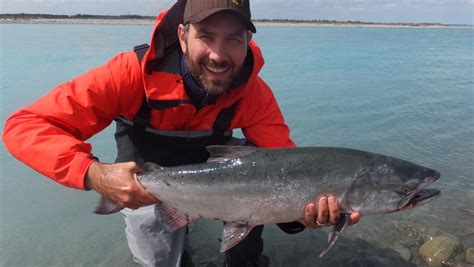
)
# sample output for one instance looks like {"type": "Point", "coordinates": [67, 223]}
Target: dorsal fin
{"type": "Point", "coordinates": [150, 166]}
{"type": "Point", "coordinates": [225, 153]}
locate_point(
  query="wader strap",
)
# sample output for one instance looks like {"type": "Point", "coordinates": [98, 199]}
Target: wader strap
{"type": "Point", "coordinates": [151, 65]}
{"type": "Point", "coordinates": [140, 50]}
{"type": "Point", "coordinates": [165, 104]}
{"type": "Point", "coordinates": [142, 118]}
{"type": "Point", "coordinates": [141, 121]}
{"type": "Point", "coordinates": [223, 120]}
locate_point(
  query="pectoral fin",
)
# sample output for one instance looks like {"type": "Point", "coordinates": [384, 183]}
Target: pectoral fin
{"type": "Point", "coordinates": [336, 232]}
{"type": "Point", "coordinates": [234, 233]}
{"type": "Point", "coordinates": [172, 218]}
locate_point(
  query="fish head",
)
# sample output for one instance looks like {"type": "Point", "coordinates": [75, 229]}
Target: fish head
{"type": "Point", "coordinates": [389, 185]}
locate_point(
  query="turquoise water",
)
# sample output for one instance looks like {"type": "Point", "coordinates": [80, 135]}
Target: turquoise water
{"type": "Point", "coordinates": [408, 93]}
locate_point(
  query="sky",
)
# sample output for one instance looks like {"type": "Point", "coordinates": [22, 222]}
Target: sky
{"type": "Point", "coordinates": [439, 11]}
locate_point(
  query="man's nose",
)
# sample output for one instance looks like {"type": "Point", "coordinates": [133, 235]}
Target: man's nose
{"type": "Point", "coordinates": [218, 52]}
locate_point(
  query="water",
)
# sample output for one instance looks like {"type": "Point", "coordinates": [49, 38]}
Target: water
{"type": "Point", "coordinates": [408, 93]}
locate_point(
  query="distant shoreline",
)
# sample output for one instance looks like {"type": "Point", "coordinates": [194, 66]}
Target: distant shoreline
{"type": "Point", "coordinates": [257, 23]}
{"type": "Point", "coordinates": [142, 20]}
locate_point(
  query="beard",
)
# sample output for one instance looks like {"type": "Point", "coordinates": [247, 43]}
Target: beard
{"type": "Point", "coordinates": [211, 85]}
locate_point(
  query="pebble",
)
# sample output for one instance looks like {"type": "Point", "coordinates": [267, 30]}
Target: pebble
{"type": "Point", "coordinates": [411, 233]}
{"type": "Point", "coordinates": [468, 240]}
{"type": "Point", "coordinates": [440, 249]}
{"type": "Point", "coordinates": [403, 251]}
{"type": "Point", "coordinates": [456, 264]}
{"type": "Point", "coordinates": [469, 258]}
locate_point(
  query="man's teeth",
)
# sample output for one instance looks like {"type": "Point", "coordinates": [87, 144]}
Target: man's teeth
{"type": "Point", "coordinates": [215, 70]}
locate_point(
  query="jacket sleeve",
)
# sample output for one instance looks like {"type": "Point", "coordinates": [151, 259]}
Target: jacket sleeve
{"type": "Point", "coordinates": [263, 123]}
{"type": "Point", "coordinates": [49, 135]}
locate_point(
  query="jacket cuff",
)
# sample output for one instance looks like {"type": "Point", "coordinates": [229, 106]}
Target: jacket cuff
{"type": "Point", "coordinates": [78, 172]}
{"type": "Point", "coordinates": [291, 227]}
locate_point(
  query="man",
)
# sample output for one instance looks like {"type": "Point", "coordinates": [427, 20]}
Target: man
{"type": "Point", "coordinates": [196, 82]}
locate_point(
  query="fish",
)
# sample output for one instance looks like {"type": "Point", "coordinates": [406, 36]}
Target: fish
{"type": "Point", "coordinates": [246, 186]}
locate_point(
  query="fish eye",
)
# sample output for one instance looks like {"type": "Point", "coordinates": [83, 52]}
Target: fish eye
{"type": "Point", "coordinates": [405, 190]}
{"type": "Point", "coordinates": [409, 187]}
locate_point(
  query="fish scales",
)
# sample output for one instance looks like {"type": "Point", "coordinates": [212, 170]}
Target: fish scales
{"type": "Point", "coordinates": [259, 188]}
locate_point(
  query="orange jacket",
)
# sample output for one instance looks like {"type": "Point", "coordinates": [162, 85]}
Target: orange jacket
{"type": "Point", "coordinates": [49, 135]}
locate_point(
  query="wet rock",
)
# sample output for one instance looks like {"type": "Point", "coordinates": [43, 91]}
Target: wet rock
{"type": "Point", "coordinates": [432, 232]}
{"type": "Point", "coordinates": [412, 238]}
{"type": "Point", "coordinates": [375, 261]}
{"type": "Point", "coordinates": [469, 255]}
{"type": "Point", "coordinates": [365, 262]}
{"type": "Point", "coordinates": [403, 251]}
{"type": "Point", "coordinates": [411, 233]}
{"type": "Point", "coordinates": [459, 257]}
{"type": "Point", "coordinates": [468, 240]}
{"type": "Point", "coordinates": [440, 249]}
{"type": "Point", "coordinates": [454, 263]}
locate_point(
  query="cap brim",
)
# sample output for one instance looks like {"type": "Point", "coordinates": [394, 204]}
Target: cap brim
{"type": "Point", "coordinates": [205, 14]}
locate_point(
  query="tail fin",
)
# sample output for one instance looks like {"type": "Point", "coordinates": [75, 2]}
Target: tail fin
{"type": "Point", "coordinates": [107, 206]}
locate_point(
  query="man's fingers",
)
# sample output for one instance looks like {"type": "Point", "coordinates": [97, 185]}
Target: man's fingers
{"type": "Point", "coordinates": [148, 199]}
{"type": "Point", "coordinates": [133, 167]}
{"type": "Point", "coordinates": [334, 212]}
{"type": "Point", "coordinates": [143, 196]}
{"type": "Point", "coordinates": [137, 201]}
{"type": "Point", "coordinates": [322, 210]}
{"type": "Point", "coordinates": [325, 212]}
{"type": "Point", "coordinates": [354, 218]}
{"type": "Point", "coordinates": [310, 215]}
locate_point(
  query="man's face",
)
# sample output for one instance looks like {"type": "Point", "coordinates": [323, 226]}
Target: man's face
{"type": "Point", "coordinates": [216, 49]}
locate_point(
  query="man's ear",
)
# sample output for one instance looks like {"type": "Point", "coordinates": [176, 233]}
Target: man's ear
{"type": "Point", "coordinates": [249, 36]}
{"type": "Point", "coordinates": [182, 38]}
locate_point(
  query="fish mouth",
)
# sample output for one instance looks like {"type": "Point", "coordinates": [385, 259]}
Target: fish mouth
{"type": "Point", "coordinates": [421, 197]}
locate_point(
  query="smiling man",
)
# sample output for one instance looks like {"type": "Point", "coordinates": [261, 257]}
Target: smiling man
{"type": "Point", "coordinates": [196, 82]}
{"type": "Point", "coordinates": [215, 50]}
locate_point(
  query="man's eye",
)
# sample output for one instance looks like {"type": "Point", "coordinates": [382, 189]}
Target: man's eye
{"type": "Point", "coordinates": [235, 40]}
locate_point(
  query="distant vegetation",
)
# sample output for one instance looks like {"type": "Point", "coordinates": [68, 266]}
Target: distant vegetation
{"type": "Point", "coordinates": [320, 21]}
{"type": "Point", "coordinates": [23, 16]}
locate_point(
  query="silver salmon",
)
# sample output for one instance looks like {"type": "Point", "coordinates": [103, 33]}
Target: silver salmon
{"type": "Point", "coordinates": [249, 186]}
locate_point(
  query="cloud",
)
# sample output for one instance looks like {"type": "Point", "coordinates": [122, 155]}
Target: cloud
{"type": "Point", "coordinates": [71, 7]}
{"type": "Point", "coordinates": [443, 11]}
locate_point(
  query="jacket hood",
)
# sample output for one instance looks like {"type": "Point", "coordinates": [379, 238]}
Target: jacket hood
{"type": "Point", "coordinates": [162, 58]}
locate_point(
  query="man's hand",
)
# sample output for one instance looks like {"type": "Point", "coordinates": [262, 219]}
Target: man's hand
{"type": "Point", "coordinates": [118, 183]}
{"type": "Point", "coordinates": [324, 212]}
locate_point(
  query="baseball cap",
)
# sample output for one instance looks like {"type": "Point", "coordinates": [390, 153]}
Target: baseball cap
{"type": "Point", "coordinates": [197, 10]}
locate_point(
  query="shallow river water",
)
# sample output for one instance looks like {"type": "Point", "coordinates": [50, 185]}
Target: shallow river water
{"type": "Point", "coordinates": [408, 93]}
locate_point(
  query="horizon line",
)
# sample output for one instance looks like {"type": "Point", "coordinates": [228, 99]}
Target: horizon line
{"type": "Point", "coordinates": [98, 16]}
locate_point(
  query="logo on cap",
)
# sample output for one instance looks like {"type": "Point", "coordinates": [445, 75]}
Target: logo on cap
{"type": "Point", "coordinates": [238, 2]}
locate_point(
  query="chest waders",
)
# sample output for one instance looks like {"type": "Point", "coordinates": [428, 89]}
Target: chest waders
{"type": "Point", "coordinates": [149, 242]}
